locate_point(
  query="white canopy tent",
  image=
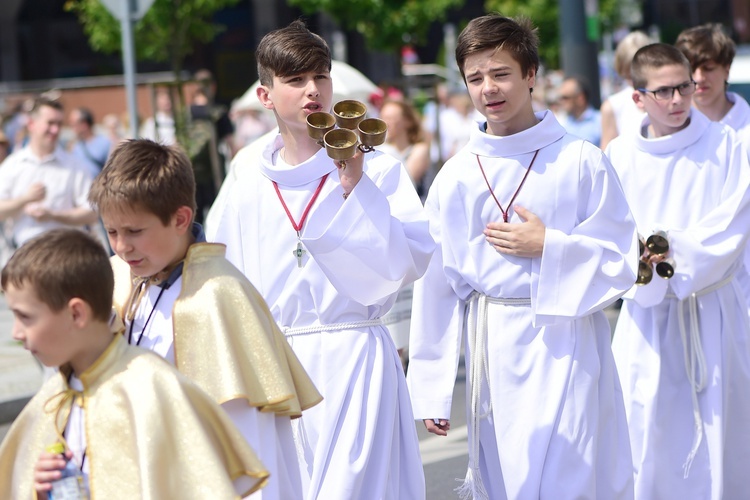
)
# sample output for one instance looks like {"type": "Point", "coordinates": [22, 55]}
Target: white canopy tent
{"type": "Point", "coordinates": [348, 83]}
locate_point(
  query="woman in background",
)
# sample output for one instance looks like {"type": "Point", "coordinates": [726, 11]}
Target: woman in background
{"type": "Point", "coordinates": [405, 140]}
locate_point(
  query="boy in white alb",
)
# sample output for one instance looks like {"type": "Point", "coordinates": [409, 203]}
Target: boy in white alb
{"type": "Point", "coordinates": [180, 298]}
{"type": "Point", "coordinates": [710, 52]}
{"type": "Point", "coordinates": [681, 345]}
{"type": "Point", "coordinates": [535, 239]}
{"type": "Point", "coordinates": [329, 246]}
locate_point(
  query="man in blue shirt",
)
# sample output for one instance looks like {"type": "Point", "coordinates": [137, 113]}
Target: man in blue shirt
{"type": "Point", "coordinates": [90, 148]}
{"type": "Point", "coordinates": [580, 118]}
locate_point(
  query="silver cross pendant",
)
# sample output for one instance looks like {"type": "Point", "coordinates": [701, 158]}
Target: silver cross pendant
{"type": "Point", "coordinates": [299, 252]}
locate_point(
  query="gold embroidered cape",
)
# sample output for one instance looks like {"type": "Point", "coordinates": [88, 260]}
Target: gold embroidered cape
{"type": "Point", "coordinates": [150, 433]}
{"type": "Point", "coordinates": [225, 338]}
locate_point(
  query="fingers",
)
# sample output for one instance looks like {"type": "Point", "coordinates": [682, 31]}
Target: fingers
{"type": "Point", "coordinates": [438, 427]}
{"type": "Point", "coordinates": [48, 469]}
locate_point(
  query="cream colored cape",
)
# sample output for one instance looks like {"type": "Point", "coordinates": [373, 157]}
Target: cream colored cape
{"type": "Point", "coordinates": [225, 338]}
{"type": "Point", "coordinates": [150, 433]}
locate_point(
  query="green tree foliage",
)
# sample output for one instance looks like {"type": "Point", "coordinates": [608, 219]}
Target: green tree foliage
{"type": "Point", "coordinates": [545, 15]}
{"type": "Point", "coordinates": [168, 32]}
{"type": "Point", "coordinates": [385, 24]}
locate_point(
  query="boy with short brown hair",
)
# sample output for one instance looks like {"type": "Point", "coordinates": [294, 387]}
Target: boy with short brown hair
{"type": "Point", "coordinates": [59, 287]}
{"type": "Point", "coordinates": [680, 344]}
{"type": "Point", "coordinates": [180, 298]}
{"type": "Point", "coordinates": [535, 239]}
{"type": "Point", "coordinates": [360, 236]}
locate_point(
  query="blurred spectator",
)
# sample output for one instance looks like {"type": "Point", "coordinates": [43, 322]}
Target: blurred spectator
{"type": "Point", "coordinates": [41, 186]}
{"type": "Point", "coordinates": [579, 117]}
{"type": "Point", "coordinates": [113, 128]}
{"type": "Point", "coordinates": [249, 124]}
{"type": "Point", "coordinates": [160, 127]}
{"type": "Point", "coordinates": [456, 123]}
{"type": "Point", "coordinates": [619, 112]}
{"type": "Point", "coordinates": [15, 126]}
{"type": "Point", "coordinates": [405, 141]}
{"type": "Point", "coordinates": [431, 121]}
{"type": "Point", "coordinates": [211, 142]}
{"type": "Point", "coordinates": [377, 98]}
{"type": "Point", "coordinates": [90, 148]}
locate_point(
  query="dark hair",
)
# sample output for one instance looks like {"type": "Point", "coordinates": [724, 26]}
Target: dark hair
{"type": "Point", "coordinates": [291, 50]}
{"type": "Point", "coordinates": [62, 264]}
{"type": "Point", "coordinates": [86, 116]}
{"type": "Point", "coordinates": [41, 102]}
{"type": "Point", "coordinates": [582, 84]}
{"type": "Point", "coordinates": [493, 31]}
{"type": "Point", "coordinates": [141, 173]}
{"type": "Point", "coordinates": [706, 43]}
{"type": "Point", "coordinates": [654, 56]}
{"type": "Point", "coordinates": [411, 117]}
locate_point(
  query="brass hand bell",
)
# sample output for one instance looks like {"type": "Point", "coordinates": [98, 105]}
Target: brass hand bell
{"type": "Point", "coordinates": [341, 143]}
{"type": "Point", "coordinates": [656, 244]}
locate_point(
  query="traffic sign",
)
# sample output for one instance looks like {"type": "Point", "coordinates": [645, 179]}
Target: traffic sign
{"type": "Point", "coordinates": [127, 10]}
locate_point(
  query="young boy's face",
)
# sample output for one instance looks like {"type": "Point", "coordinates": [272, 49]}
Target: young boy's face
{"type": "Point", "coordinates": [295, 97]}
{"type": "Point", "coordinates": [500, 90]}
{"type": "Point", "coordinates": [44, 332]}
{"type": "Point", "coordinates": [711, 78]}
{"type": "Point", "coordinates": [141, 239]}
{"type": "Point", "coordinates": [667, 116]}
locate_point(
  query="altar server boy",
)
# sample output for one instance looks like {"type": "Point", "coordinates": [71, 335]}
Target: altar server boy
{"type": "Point", "coordinates": [535, 239]}
{"type": "Point", "coordinates": [681, 344]}
{"type": "Point", "coordinates": [329, 245]}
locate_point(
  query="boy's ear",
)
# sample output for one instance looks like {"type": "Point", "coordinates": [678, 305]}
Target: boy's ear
{"type": "Point", "coordinates": [638, 100]}
{"type": "Point", "coordinates": [532, 78]}
{"type": "Point", "coordinates": [80, 311]}
{"type": "Point", "coordinates": [264, 96]}
{"type": "Point", "coordinates": [183, 218]}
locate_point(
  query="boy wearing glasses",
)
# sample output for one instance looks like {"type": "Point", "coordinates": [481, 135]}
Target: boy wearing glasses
{"type": "Point", "coordinates": [681, 344]}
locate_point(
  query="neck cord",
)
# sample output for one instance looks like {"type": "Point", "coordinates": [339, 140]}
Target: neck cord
{"type": "Point", "coordinates": [143, 330]}
{"type": "Point", "coordinates": [510, 204]}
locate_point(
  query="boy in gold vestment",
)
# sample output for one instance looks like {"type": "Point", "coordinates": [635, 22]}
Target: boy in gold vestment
{"type": "Point", "coordinates": [179, 297]}
{"type": "Point", "coordinates": [143, 429]}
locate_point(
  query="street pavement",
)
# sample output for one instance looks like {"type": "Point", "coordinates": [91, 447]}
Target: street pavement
{"type": "Point", "coordinates": [444, 458]}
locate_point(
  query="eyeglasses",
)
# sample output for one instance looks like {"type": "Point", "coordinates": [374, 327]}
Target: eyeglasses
{"type": "Point", "coordinates": [665, 93]}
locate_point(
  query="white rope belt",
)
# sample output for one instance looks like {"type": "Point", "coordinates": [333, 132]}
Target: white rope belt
{"type": "Point", "coordinates": [695, 359]}
{"type": "Point", "coordinates": [334, 327]}
{"type": "Point", "coordinates": [476, 326]}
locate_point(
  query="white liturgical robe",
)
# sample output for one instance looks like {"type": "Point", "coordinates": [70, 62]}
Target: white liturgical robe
{"type": "Point", "coordinates": [360, 442]}
{"type": "Point", "coordinates": [681, 345]}
{"type": "Point", "coordinates": [548, 406]}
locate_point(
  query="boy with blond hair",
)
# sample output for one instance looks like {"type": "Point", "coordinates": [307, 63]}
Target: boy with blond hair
{"type": "Point", "coordinates": [180, 298]}
{"type": "Point", "coordinates": [535, 239]}
{"type": "Point", "coordinates": [146, 431]}
{"type": "Point", "coordinates": [360, 235]}
{"type": "Point", "coordinates": [681, 345]}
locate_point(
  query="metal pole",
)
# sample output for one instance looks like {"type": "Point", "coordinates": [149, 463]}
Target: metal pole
{"type": "Point", "coordinates": [579, 51]}
{"type": "Point", "coordinates": [128, 63]}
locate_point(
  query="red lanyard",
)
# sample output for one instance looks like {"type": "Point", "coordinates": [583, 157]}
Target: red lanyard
{"type": "Point", "coordinates": [510, 204]}
{"type": "Point", "coordinates": [299, 251]}
{"type": "Point", "coordinates": [298, 226]}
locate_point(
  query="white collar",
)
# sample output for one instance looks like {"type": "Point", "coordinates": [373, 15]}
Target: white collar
{"type": "Point", "coordinates": [306, 172]}
{"type": "Point", "coordinates": [544, 133]}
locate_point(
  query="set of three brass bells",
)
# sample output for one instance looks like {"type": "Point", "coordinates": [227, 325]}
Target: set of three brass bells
{"type": "Point", "coordinates": [655, 245]}
{"type": "Point", "coordinates": [342, 143]}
